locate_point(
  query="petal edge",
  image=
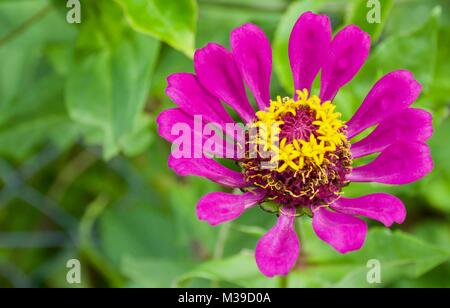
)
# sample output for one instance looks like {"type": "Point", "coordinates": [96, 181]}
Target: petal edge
{"type": "Point", "coordinates": [344, 233]}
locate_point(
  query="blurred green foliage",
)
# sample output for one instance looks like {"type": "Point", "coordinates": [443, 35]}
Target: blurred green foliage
{"type": "Point", "coordinates": [83, 174]}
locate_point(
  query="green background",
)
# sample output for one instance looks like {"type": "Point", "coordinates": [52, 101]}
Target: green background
{"type": "Point", "coordinates": [83, 173]}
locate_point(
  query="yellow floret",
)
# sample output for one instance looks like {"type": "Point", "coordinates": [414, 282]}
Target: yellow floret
{"type": "Point", "coordinates": [297, 154]}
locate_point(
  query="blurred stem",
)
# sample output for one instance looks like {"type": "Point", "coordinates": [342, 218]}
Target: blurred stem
{"type": "Point", "coordinates": [26, 24]}
{"type": "Point", "coordinates": [299, 230]}
{"type": "Point", "coordinates": [221, 241]}
{"type": "Point", "coordinates": [283, 280]}
{"type": "Point", "coordinates": [283, 283]}
{"type": "Point", "coordinates": [70, 173]}
{"type": "Point", "coordinates": [220, 246]}
{"type": "Point", "coordinates": [87, 249]}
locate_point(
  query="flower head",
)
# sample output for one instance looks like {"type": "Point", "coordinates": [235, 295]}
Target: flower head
{"type": "Point", "coordinates": [298, 152]}
{"type": "Point", "coordinates": [313, 158]}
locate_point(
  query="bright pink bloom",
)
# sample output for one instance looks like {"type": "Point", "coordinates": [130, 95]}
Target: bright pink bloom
{"type": "Point", "coordinates": [399, 137]}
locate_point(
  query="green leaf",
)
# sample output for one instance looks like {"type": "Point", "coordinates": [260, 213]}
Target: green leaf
{"type": "Point", "coordinates": [410, 15]}
{"type": "Point", "coordinates": [56, 128]}
{"type": "Point", "coordinates": [360, 13]}
{"type": "Point", "coordinates": [416, 51]}
{"type": "Point", "coordinates": [438, 278]}
{"type": "Point", "coordinates": [434, 232]}
{"type": "Point", "coordinates": [239, 270]}
{"type": "Point", "coordinates": [401, 256]}
{"type": "Point", "coordinates": [153, 273]}
{"type": "Point", "coordinates": [31, 87]}
{"type": "Point", "coordinates": [108, 83]}
{"type": "Point", "coordinates": [172, 21]}
{"type": "Point", "coordinates": [137, 232]}
{"type": "Point", "coordinates": [438, 94]}
{"type": "Point", "coordinates": [436, 187]}
{"type": "Point", "coordinates": [140, 137]}
{"type": "Point", "coordinates": [183, 198]}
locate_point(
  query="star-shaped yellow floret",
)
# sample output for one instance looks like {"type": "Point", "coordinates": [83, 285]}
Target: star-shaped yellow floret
{"type": "Point", "coordinates": [296, 154]}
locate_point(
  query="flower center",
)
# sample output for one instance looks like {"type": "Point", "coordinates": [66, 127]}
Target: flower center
{"type": "Point", "coordinates": [299, 154]}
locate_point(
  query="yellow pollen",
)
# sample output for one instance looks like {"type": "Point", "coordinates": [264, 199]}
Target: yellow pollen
{"type": "Point", "coordinates": [299, 153]}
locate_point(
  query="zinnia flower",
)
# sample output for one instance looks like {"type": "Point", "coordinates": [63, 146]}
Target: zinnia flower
{"type": "Point", "coordinates": [314, 158]}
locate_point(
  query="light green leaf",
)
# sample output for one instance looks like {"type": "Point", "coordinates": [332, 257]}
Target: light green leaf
{"type": "Point", "coordinates": [434, 232]}
{"type": "Point", "coordinates": [436, 186]}
{"type": "Point", "coordinates": [401, 256]}
{"type": "Point", "coordinates": [108, 83]}
{"type": "Point", "coordinates": [360, 11]}
{"type": "Point", "coordinates": [239, 270]}
{"type": "Point", "coordinates": [153, 273]}
{"type": "Point", "coordinates": [416, 52]}
{"type": "Point", "coordinates": [172, 21]}
{"type": "Point", "coordinates": [136, 231]}
{"type": "Point", "coordinates": [438, 94]}
{"type": "Point", "coordinates": [410, 15]}
{"type": "Point", "coordinates": [140, 137]}
{"type": "Point", "coordinates": [56, 128]}
{"type": "Point", "coordinates": [183, 198]}
{"type": "Point", "coordinates": [31, 87]}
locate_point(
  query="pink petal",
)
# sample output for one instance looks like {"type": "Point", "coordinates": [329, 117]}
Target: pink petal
{"type": "Point", "coordinates": [277, 252]}
{"type": "Point", "coordinates": [406, 125]}
{"type": "Point", "coordinates": [384, 208]}
{"type": "Point", "coordinates": [343, 232]}
{"type": "Point", "coordinates": [392, 93]}
{"type": "Point", "coordinates": [208, 168]}
{"type": "Point", "coordinates": [401, 163]}
{"type": "Point", "coordinates": [253, 56]}
{"type": "Point", "coordinates": [309, 46]}
{"type": "Point", "coordinates": [218, 73]}
{"type": "Point", "coordinates": [170, 119]}
{"type": "Point", "coordinates": [186, 91]}
{"type": "Point", "coordinates": [219, 207]}
{"type": "Point", "coordinates": [349, 51]}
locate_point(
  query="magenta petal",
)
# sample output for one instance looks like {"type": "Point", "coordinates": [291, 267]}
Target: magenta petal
{"type": "Point", "coordinates": [309, 46]}
{"type": "Point", "coordinates": [170, 119]}
{"type": "Point", "coordinates": [384, 208]}
{"type": "Point", "coordinates": [401, 163]}
{"type": "Point", "coordinates": [253, 56]}
{"type": "Point", "coordinates": [219, 207]}
{"type": "Point", "coordinates": [218, 73]}
{"type": "Point", "coordinates": [343, 232]}
{"type": "Point", "coordinates": [408, 124]}
{"type": "Point", "coordinates": [277, 252]}
{"type": "Point", "coordinates": [208, 168]}
{"type": "Point", "coordinates": [186, 91]}
{"type": "Point", "coordinates": [392, 93]}
{"type": "Point", "coordinates": [349, 50]}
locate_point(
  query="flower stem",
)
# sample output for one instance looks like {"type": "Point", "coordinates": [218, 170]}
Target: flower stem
{"type": "Point", "coordinates": [26, 24]}
{"type": "Point", "coordinates": [299, 230]}
{"type": "Point", "coordinates": [283, 282]}
{"type": "Point", "coordinates": [220, 246]}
